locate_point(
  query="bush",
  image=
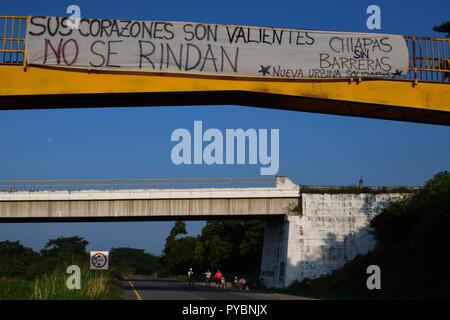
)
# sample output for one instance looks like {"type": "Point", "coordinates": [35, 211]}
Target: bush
{"type": "Point", "coordinates": [15, 289]}
{"type": "Point", "coordinates": [29, 275]}
{"type": "Point", "coordinates": [411, 238]}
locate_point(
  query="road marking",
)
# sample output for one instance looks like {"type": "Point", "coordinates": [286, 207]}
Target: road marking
{"type": "Point", "coordinates": [134, 289]}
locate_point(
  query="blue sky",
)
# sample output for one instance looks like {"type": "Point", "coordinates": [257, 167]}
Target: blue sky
{"type": "Point", "coordinates": [315, 149]}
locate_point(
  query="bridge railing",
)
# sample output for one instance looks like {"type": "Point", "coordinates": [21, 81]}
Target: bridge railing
{"type": "Point", "coordinates": [123, 184]}
{"type": "Point", "coordinates": [13, 30]}
{"type": "Point", "coordinates": [429, 58]}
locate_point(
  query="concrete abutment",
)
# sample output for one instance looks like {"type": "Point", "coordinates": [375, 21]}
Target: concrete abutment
{"type": "Point", "coordinates": [328, 231]}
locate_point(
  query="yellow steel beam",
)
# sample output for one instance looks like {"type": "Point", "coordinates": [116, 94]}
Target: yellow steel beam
{"type": "Point", "coordinates": [44, 87]}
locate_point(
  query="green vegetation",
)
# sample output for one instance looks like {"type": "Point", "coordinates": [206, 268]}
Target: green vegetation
{"type": "Point", "coordinates": [411, 251]}
{"type": "Point", "coordinates": [232, 246]}
{"type": "Point", "coordinates": [25, 274]}
{"type": "Point", "coordinates": [444, 27]}
{"type": "Point", "coordinates": [11, 289]}
{"type": "Point", "coordinates": [134, 261]}
{"type": "Point", "coordinates": [95, 285]}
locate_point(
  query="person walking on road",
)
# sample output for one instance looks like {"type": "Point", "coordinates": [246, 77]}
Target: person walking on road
{"type": "Point", "coordinates": [242, 284]}
{"type": "Point", "coordinates": [218, 277]}
{"type": "Point", "coordinates": [235, 282]}
{"type": "Point", "coordinates": [207, 278]}
{"type": "Point", "coordinates": [191, 277]}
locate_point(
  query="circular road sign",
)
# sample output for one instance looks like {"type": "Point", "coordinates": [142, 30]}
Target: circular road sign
{"type": "Point", "coordinates": [99, 260]}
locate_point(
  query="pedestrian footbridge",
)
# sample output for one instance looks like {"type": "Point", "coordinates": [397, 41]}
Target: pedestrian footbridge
{"type": "Point", "coordinates": [422, 94]}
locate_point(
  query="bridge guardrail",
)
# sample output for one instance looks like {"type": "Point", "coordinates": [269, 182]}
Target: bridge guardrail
{"type": "Point", "coordinates": [429, 58]}
{"type": "Point", "coordinates": [122, 184]}
{"type": "Point", "coordinates": [13, 30]}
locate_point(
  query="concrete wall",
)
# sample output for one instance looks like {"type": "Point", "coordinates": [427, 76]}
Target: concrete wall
{"type": "Point", "coordinates": [330, 231]}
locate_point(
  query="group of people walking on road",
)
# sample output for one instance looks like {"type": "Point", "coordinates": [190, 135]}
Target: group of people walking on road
{"type": "Point", "coordinates": [219, 279]}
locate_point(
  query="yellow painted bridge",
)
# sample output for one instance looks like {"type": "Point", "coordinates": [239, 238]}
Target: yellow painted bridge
{"type": "Point", "coordinates": [422, 95]}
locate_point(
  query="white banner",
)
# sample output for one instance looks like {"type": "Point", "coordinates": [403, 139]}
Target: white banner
{"type": "Point", "coordinates": [213, 50]}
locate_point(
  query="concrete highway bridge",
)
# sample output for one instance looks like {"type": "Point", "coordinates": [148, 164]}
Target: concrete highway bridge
{"type": "Point", "coordinates": [421, 95]}
{"type": "Point", "coordinates": [309, 231]}
{"type": "Point", "coordinates": [146, 199]}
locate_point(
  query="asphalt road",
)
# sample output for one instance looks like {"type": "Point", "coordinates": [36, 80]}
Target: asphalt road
{"type": "Point", "coordinates": [169, 289]}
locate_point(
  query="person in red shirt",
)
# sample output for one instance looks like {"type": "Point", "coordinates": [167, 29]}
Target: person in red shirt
{"type": "Point", "coordinates": [242, 284]}
{"type": "Point", "coordinates": [218, 277]}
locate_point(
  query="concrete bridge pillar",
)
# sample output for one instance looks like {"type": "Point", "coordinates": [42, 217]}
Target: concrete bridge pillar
{"type": "Point", "coordinates": [328, 231]}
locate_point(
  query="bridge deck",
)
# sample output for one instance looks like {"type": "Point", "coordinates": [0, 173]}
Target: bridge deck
{"type": "Point", "coordinates": [157, 199]}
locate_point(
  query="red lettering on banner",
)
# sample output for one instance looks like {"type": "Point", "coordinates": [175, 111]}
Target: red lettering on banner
{"type": "Point", "coordinates": [61, 49]}
{"type": "Point", "coordinates": [57, 53]}
{"type": "Point", "coordinates": [64, 52]}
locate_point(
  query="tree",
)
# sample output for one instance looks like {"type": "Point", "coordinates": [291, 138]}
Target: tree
{"type": "Point", "coordinates": [134, 261]}
{"type": "Point", "coordinates": [179, 252]}
{"type": "Point", "coordinates": [14, 248]}
{"type": "Point", "coordinates": [412, 237]}
{"type": "Point", "coordinates": [251, 245]}
{"type": "Point", "coordinates": [234, 246]}
{"type": "Point", "coordinates": [65, 247]}
{"type": "Point", "coordinates": [230, 245]}
{"type": "Point", "coordinates": [15, 259]}
{"type": "Point", "coordinates": [179, 228]}
{"type": "Point", "coordinates": [444, 27]}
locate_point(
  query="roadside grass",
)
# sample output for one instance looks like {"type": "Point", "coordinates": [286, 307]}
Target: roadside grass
{"type": "Point", "coordinates": [95, 285]}
{"type": "Point", "coordinates": [14, 289]}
